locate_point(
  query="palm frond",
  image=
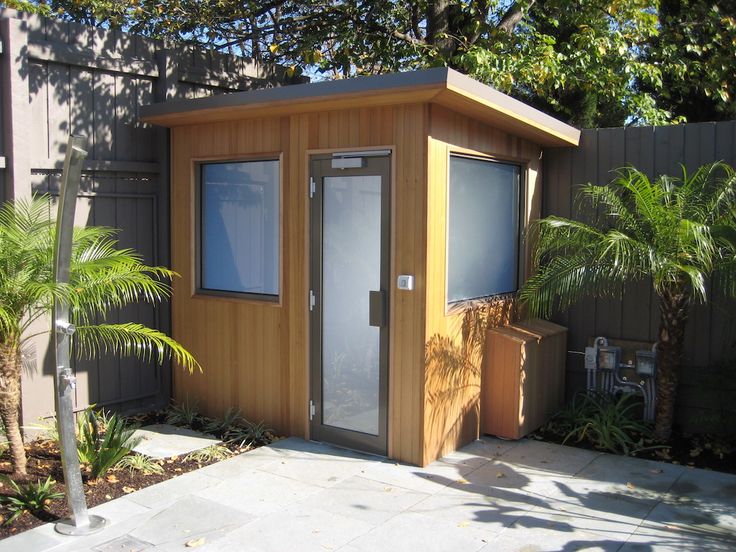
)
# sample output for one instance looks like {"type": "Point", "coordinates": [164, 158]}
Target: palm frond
{"type": "Point", "coordinates": [564, 280]}
{"type": "Point", "coordinates": [677, 230]}
{"type": "Point", "coordinates": [131, 339]}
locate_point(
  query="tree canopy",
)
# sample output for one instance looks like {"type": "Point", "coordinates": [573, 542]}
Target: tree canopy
{"type": "Point", "coordinates": [589, 62]}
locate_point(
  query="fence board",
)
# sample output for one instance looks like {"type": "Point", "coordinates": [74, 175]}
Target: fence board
{"type": "Point", "coordinates": [711, 333]}
{"type": "Point", "coordinates": [60, 78]}
{"type": "Point", "coordinates": [611, 153]}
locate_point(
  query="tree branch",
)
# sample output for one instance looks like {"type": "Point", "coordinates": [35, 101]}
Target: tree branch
{"type": "Point", "coordinates": [512, 17]}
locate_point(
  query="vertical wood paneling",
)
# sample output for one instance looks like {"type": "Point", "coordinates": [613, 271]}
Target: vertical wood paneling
{"type": "Point", "coordinates": [262, 366]}
{"type": "Point", "coordinates": [451, 409]}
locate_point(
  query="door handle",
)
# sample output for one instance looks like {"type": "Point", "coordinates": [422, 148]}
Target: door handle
{"type": "Point", "coordinates": [378, 308]}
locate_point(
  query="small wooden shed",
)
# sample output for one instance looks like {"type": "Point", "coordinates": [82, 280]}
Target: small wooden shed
{"type": "Point", "coordinates": [326, 232]}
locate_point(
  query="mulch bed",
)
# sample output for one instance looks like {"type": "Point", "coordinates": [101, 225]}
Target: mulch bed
{"type": "Point", "coordinates": [44, 460]}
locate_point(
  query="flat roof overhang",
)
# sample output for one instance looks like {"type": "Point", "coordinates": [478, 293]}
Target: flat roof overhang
{"type": "Point", "coordinates": [441, 86]}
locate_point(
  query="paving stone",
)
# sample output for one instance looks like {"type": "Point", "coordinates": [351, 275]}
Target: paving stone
{"type": "Point", "coordinates": [190, 518]}
{"type": "Point", "coordinates": [616, 523]}
{"type": "Point", "coordinates": [491, 511]}
{"type": "Point", "coordinates": [597, 495]}
{"type": "Point", "coordinates": [537, 456]}
{"type": "Point", "coordinates": [111, 532]}
{"type": "Point", "coordinates": [632, 472]}
{"type": "Point", "coordinates": [695, 519]}
{"type": "Point", "coordinates": [125, 543]}
{"type": "Point", "coordinates": [493, 495]}
{"type": "Point", "coordinates": [119, 509]}
{"type": "Point", "coordinates": [40, 538]}
{"type": "Point", "coordinates": [166, 492]}
{"type": "Point", "coordinates": [540, 539]}
{"type": "Point", "coordinates": [324, 469]}
{"type": "Point", "coordinates": [412, 532]}
{"type": "Point", "coordinates": [487, 447]}
{"type": "Point", "coordinates": [370, 501]}
{"type": "Point", "coordinates": [430, 479]}
{"type": "Point", "coordinates": [241, 463]}
{"type": "Point", "coordinates": [163, 441]}
{"type": "Point", "coordinates": [258, 493]}
{"type": "Point", "coordinates": [713, 488]}
{"type": "Point", "coordinates": [298, 528]}
{"type": "Point", "coordinates": [680, 532]}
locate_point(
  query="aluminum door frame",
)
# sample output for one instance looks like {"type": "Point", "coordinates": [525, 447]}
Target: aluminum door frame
{"type": "Point", "coordinates": [320, 167]}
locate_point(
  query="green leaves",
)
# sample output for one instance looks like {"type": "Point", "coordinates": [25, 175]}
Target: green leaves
{"type": "Point", "coordinates": [102, 277]}
{"type": "Point", "coordinates": [131, 339]}
{"type": "Point", "coordinates": [676, 231]}
{"type": "Point", "coordinates": [607, 422]}
{"type": "Point", "coordinates": [102, 448]}
{"type": "Point", "coordinates": [28, 497]}
{"type": "Point", "coordinates": [594, 63]}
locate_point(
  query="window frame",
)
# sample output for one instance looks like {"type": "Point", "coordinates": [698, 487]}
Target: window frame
{"type": "Point", "coordinates": [522, 166]}
{"type": "Point", "coordinates": [198, 257]}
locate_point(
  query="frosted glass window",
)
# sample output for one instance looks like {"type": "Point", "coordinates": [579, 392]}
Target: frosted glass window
{"type": "Point", "coordinates": [239, 228]}
{"type": "Point", "coordinates": [351, 267]}
{"type": "Point", "coordinates": [483, 233]}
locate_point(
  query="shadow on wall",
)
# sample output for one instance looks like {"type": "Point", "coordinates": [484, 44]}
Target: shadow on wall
{"type": "Point", "coordinates": [453, 373]}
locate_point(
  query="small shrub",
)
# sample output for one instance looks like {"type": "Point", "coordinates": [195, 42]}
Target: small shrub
{"type": "Point", "coordinates": [101, 451]}
{"type": "Point", "coordinates": [29, 497]}
{"type": "Point", "coordinates": [140, 463]}
{"type": "Point", "coordinates": [607, 422]}
{"type": "Point", "coordinates": [185, 414]}
{"type": "Point", "coordinates": [219, 427]}
{"type": "Point", "coordinates": [248, 434]}
{"type": "Point", "coordinates": [209, 454]}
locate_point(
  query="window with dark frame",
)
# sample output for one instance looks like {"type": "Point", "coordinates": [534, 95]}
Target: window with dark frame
{"type": "Point", "coordinates": [483, 228]}
{"type": "Point", "coordinates": [238, 234]}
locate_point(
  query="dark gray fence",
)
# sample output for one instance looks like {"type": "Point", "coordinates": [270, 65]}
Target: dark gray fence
{"type": "Point", "coordinates": [60, 78]}
{"type": "Point", "coordinates": [711, 333]}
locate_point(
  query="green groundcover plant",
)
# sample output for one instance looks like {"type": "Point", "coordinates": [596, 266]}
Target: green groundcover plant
{"type": "Point", "coordinates": [103, 277]}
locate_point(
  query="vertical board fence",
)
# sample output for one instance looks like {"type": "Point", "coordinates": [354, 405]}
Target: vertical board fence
{"type": "Point", "coordinates": [60, 78]}
{"type": "Point", "coordinates": [711, 332]}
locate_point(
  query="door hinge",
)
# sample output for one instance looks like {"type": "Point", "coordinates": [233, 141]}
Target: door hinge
{"type": "Point", "coordinates": [312, 187]}
{"type": "Point", "coordinates": [312, 410]}
{"type": "Point", "coordinates": [312, 300]}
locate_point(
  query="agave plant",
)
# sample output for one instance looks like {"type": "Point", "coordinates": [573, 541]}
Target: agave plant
{"type": "Point", "coordinates": [102, 278]}
{"type": "Point", "coordinates": [28, 497]}
{"type": "Point", "coordinates": [676, 233]}
{"type": "Point", "coordinates": [103, 441]}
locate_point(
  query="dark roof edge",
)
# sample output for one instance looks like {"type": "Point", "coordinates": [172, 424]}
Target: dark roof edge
{"type": "Point", "coordinates": [426, 77]}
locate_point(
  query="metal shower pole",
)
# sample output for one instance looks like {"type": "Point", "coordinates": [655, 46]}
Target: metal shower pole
{"type": "Point", "coordinates": [80, 522]}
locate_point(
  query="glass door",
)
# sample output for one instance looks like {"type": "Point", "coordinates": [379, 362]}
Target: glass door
{"type": "Point", "coordinates": [349, 300]}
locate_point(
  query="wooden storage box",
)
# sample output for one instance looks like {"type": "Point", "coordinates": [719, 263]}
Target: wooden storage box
{"type": "Point", "coordinates": [523, 377]}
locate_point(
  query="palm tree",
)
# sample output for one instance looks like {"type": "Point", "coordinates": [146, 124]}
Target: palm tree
{"type": "Point", "coordinates": [102, 278]}
{"type": "Point", "coordinates": [677, 233]}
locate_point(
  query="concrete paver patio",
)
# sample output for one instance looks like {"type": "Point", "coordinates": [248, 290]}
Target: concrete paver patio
{"type": "Point", "coordinates": [492, 495]}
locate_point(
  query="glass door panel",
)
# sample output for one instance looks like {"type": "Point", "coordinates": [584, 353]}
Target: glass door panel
{"type": "Point", "coordinates": [351, 268]}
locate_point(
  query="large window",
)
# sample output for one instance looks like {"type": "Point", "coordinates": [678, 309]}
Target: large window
{"type": "Point", "coordinates": [483, 228]}
{"type": "Point", "coordinates": [239, 227]}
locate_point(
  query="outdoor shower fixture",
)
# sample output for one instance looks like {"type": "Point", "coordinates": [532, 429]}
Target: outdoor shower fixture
{"type": "Point", "coordinates": [608, 374]}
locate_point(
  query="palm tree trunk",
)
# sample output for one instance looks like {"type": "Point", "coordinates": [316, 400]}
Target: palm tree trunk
{"type": "Point", "coordinates": [674, 306]}
{"type": "Point", "coordinates": [10, 365]}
